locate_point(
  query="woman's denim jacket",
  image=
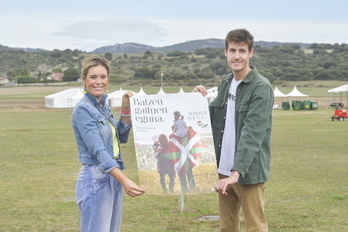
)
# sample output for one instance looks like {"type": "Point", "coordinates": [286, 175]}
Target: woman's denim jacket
{"type": "Point", "coordinates": [90, 121]}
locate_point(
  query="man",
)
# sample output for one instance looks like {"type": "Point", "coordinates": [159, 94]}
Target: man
{"type": "Point", "coordinates": [241, 117]}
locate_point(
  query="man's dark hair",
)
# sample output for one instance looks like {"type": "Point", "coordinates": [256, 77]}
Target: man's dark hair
{"type": "Point", "coordinates": [240, 36]}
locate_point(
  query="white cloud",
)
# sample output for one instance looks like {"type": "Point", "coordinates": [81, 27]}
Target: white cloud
{"type": "Point", "coordinates": [87, 35]}
{"type": "Point", "coordinates": [96, 33]}
{"type": "Point", "coordinates": [267, 31]}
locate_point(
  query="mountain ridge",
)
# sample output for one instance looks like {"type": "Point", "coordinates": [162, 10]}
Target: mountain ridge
{"type": "Point", "coordinates": [188, 46]}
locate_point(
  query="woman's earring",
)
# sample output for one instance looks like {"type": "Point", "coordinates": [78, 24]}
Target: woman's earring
{"type": "Point", "coordinates": [84, 90]}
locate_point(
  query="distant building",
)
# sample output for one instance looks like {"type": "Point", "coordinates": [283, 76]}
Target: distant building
{"type": "Point", "coordinates": [4, 80]}
{"type": "Point", "coordinates": [55, 76]}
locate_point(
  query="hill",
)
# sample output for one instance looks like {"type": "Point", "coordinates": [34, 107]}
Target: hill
{"type": "Point", "coordinates": [189, 46]}
{"type": "Point", "coordinates": [184, 64]}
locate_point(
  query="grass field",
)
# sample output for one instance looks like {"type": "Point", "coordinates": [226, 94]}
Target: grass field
{"type": "Point", "coordinates": [307, 191]}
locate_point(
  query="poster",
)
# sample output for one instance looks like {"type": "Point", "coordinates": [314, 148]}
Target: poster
{"type": "Point", "coordinates": [173, 143]}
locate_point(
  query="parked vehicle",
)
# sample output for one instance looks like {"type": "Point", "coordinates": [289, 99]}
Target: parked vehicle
{"type": "Point", "coordinates": [336, 104]}
{"type": "Point", "coordinates": [339, 115]}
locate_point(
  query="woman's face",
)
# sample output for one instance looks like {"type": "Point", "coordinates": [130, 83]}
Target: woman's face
{"type": "Point", "coordinates": [96, 81]}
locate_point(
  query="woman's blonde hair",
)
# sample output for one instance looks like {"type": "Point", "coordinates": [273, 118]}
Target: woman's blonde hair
{"type": "Point", "coordinates": [91, 62]}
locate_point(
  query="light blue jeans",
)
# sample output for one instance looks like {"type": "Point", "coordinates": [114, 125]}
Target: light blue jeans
{"type": "Point", "coordinates": [100, 200]}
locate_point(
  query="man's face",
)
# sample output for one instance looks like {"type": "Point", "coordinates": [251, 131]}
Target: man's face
{"type": "Point", "coordinates": [238, 56]}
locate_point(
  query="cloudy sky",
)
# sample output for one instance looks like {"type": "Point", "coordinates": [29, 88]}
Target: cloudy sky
{"type": "Point", "coordinates": [87, 24]}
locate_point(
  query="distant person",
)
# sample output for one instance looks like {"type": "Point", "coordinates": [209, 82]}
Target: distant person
{"type": "Point", "coordinates": [99, 185]}
{"type": "Point", "coordinates": [241, 117]}
{"type": "Point", "coordinates": [179, 126]}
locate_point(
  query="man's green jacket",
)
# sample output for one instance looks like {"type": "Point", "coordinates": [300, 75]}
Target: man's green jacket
{"type": "Point", "coordinates": [253, 120]}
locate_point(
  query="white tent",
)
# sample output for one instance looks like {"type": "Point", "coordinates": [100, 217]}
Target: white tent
{"type": "Point", "coordinates": [212, 93]}
{"type": "Point", "coordinates": [340, 90]}
{"type": "Point", "coordinates": [64, 99]}
{"type": "Point", "coordinates": [141, 92]}
{"type": "Point", "coordinates": [161, 91]}
{"type": "Point", "coordinates": [115, 98]}
{"type": "Point", "coordinates": [278, 93]}
{"type": "Point", "coordinates": [181, 90]}
{"type": "Point", "coordinates": [295, 93]}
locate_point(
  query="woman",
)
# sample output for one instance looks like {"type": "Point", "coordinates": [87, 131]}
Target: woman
{"type": "Point", "coordinates": [99, 185]}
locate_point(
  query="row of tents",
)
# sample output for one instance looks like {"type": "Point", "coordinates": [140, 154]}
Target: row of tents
{"type": "Point", "coordinates": [336, 99]}
{"type": "Point", "coordinates": [69, 98]}
{"type": "Point", "coordinates": [294, 93]}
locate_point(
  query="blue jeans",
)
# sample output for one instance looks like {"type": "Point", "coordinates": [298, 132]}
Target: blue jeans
{"type": "Point", "coordinates": [100, 200]}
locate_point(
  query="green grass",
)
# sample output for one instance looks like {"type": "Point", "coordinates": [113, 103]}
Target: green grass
{"type": "Point", "coordinates": [307, 190]}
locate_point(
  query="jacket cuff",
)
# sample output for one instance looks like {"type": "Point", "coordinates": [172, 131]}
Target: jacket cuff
{"type": "Point", "coordinates": [240, 169]}
{"type": "Point", "coordinates": [123, 127]}
{"type": "Point", "coordinates": [107, 166]}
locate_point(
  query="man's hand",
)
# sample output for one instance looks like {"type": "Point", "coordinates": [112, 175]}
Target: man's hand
{"type": "Point", "coordinates": [201, 89]}
{"type": "Point", "coordinates": [225, 183]}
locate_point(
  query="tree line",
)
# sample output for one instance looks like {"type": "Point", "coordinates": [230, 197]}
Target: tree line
{"type": "Point", "coordinates": [288, 62]}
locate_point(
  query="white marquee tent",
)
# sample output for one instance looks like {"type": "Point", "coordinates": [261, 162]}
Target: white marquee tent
{"type": "Point", "coordinates": [115, 98]}
{"type": "Point", "coordinates": [161, 91]}
{"type": "Point", "coordinates": [64, 99]}
{"type": "Point", "coordinates": [340, 90]}
{"type": "Point", "coordinates": [278, 93]}
{"type": "Point", "coordinates": [141, 92]}
{"type": "Point", "coordinates": [295, 93]}
{"type": "Point", "coordinates": [212, 93]}
{"type": "Point", "coordinates": [181, 90]}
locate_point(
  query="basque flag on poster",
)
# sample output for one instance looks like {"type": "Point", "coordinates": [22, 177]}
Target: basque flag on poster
{"type": "Point", "coordinates": [173, 143]}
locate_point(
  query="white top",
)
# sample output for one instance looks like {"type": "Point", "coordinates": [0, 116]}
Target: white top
{"type": "Point", "coordinates": [181, 128]}
{"type": "Point", "coordinates": [229, 136]}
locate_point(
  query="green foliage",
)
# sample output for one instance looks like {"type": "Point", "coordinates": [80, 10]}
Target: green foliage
{"type": "Point", "coordinates": [58, 69]}
{"type": "Point", "coordinates": [145, 73]}
{"type": "Point", "coordinates": [288, 62]}
{"type": "Point", "coordinates": [147, 54]}
{"type": "Point", "coordinates": [71, 74]}
{"type": "Point", "coordinates": [177, 54]}
{"type": "Point", "coordinates": [26, 80]}
{"type": "Point", "coordinates": [19, 73]}
{"type": "Point", "coordinates": [108, 56]}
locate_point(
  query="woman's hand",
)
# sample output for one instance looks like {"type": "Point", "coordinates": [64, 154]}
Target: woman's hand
{"type": "Point", "coordinates": [132, 189]}
{"type": "Point", "coordinates": [125, 108]}
{"type": "Point", "coordinates": [128, 185]}
{"type": "Point", "coordinates": [126, 101]}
